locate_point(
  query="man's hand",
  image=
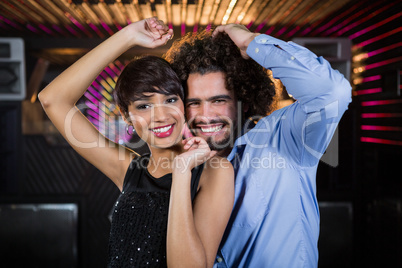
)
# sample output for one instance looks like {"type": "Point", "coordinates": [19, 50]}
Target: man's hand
{"type": "Point", "coordinates": [239, 34]}
{"type": "Point", "coordinates": [151, 32]}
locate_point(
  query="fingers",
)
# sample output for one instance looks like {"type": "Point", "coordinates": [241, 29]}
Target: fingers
{"type": "Point", "coordinates": [192, 141]}
{"type": "Point", "coordinates": [152, 23]}
{"type": "Point", "coordinates": [230, 29]}
{"type": "Point", "coordinates": [195, 143]}
{"type": "Point", "coordinates": [169, 35]}
{"type": "Point", "coordinates": [164, 38]}
{"type": "Point", "coordinates": [158, 27]}
{"type": "Point", "coordinates": [219, 29]}
{"type": "Point", "coordinates": [162, 26]}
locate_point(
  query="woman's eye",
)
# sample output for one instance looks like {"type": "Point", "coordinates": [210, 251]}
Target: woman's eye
{"type": "Point", "coordinates": [142, 106]}
{"type": "Point", "coordinates": [172, 100]}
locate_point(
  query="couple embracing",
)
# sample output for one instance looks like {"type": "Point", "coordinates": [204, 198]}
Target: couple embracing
{"type": "Point", "coordinates": [217, 202]}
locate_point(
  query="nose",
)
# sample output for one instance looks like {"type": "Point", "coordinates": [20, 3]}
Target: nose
{"type": "Point", "coordinates": [206, 111]}
{"type": "Point", "coordinates": [160, 113]}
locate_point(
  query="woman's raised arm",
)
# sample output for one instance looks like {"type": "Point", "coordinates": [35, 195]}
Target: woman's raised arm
{"type": "Point", "coordinates": [59, 97]}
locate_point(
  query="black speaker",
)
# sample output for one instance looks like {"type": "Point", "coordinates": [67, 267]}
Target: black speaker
{"type": "Point", "coordinates": [12, 69]}
{"type": "Point", "coordinates": [39, 235]}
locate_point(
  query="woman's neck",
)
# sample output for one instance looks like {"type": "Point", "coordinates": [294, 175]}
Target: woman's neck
{"type": "Point", "coordinates": [161, 159]}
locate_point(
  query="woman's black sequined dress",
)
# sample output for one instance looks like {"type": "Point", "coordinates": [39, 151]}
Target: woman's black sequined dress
{"type": "Point", "coordinates": [139, 223]}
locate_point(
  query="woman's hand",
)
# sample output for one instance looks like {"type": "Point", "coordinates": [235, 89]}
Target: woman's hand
{"type": "Point", "coordinates": [150, 32]}
{"type": "Point", "coordinates": [197, 153]}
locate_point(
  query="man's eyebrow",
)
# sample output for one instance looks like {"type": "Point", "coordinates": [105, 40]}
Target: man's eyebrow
{"type": "Point", "coordinates": [193, 99]}
{"type": "Point", "coordinates": [217, 97]}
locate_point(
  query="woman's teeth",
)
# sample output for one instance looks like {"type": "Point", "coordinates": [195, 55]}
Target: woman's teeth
{"type": "Point", "coordinates": [162, 129]}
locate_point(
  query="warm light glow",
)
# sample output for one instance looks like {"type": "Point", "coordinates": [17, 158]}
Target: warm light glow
{"type": "Point", "coordinates": [229, 11]}
{"type": "Point", "coordinates": [241, 16]}
{"type": "Point", "coordinates": [360, 57]}
{"type": "Point", "coordinates": [359, 69]}
{"type": "Point", "coordinates": [360, 80]}
{"type": "Point", "coordinates": [337, 18]}
{"type": "Point", "coordinates": [357, 81]}
{"type": "Point", "coordinates": [89, 12]}
{"type": "Point", "coordinates": [243, 11]}
{"type": "Point", "coordinates": [67, 51]}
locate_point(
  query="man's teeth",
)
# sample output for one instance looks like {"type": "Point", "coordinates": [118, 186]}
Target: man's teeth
{"type": "Point", "coordinates": [162, 129]}
{"type": "Point", "coordinates": [211, 129]}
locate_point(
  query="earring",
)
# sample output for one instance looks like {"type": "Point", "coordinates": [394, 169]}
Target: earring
{"type": "Point", "coordinates": [128, 130]}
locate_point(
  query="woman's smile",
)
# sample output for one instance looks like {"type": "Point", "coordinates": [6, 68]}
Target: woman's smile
{"type": "Point", "coordinates": [163, 131]}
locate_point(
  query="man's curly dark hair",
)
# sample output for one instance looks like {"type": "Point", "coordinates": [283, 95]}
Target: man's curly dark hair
{"type": "Point", "coordinates": [203, 54]}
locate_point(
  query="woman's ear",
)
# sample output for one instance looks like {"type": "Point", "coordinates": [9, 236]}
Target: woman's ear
{"type": "Point", "coordinates": [126, 117]}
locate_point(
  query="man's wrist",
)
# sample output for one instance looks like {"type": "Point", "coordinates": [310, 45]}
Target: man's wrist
{"type": "Point", "coordinates": [247, 43]}
{"type": "Point", "coordinates": [250, 39]}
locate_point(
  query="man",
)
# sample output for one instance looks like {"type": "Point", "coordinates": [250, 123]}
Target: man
{"type": "Point", "coordinates": [275, 218]}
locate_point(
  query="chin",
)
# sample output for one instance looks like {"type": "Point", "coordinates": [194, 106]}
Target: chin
{"type": "Point", "coordinates": [166, 144]}
{"type": "Point", "coordinates": [219, 145]}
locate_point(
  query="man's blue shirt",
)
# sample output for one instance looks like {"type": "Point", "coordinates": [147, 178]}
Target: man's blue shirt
{"type": "Point", "coordinates": [275, 218]}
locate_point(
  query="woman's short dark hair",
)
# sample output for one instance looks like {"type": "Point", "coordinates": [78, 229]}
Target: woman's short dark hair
{"type": "Point", "coordinates": [203, 54]}
{"type": "Point", "coordinates": [147, 74]}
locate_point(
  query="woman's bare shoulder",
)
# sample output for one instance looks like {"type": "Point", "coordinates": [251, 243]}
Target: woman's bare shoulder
{"type": "Point", "coordinates": [218, 167]}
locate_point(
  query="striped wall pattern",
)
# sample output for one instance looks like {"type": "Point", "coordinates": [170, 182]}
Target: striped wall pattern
{"type": "Point", "coordinates": [376, 33]}
{"type": "Point", "coordinates": [56, 173]}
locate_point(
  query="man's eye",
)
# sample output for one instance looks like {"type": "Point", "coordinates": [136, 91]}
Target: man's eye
{"type": "Point", "coordinates": [219, 101]}
{"type": "Point", "coordinates": [191, 104]}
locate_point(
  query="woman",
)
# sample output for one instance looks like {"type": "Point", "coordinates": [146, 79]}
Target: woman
{"type": "Point", "coordinates": [172, 203]}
